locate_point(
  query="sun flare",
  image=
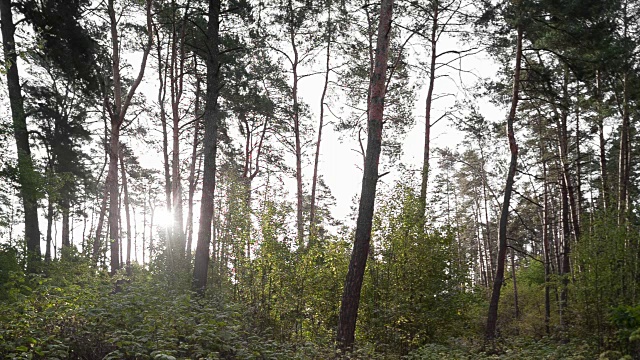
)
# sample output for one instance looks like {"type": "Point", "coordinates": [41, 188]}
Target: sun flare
{"type": "Point", "coordinates": [163, 218]}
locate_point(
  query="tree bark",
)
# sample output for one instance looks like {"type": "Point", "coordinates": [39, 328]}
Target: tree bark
{"type": "Point", "coordinates": [125, 189]}
{"type": "Point", "coordinates": [492, 317]}
{"type": "Point", "coordinates": [66, 222]}
{"type": "Point", "coordinates": [27, 176]}
{"type": "Point", "coordinates": [314, 182]}
{"type": "Point", "coordinates": [193, 178]}
{"type": "Point", "coordinates": [47, 254]}
{"type": "Point", "coordinates": [623, 160]}
{"type": "Point", "coordinates": [296, 130]}
{"type": "Point", "coordinates": [603, 154]}
{"type": "Point", "coordinates": [97, 244]}
{"type": "Point", "coordinates": [353, 282]}
{"type": "Point", "coordinates": [117, 114]}
{"type": "Point", "coordinates": [563, 140]}
{"type": "Point", "coordinates": [209, 148]}
{"type": "Point", "coordinates": [545, 236]}
{"type": "Point", "coordinates": [515, 286]}
{"type": "Point", "coordinates": [427, 117]}
{"type": "Point", "coordinates": [566, 251]}
{"type": "Point", "coordinates": [162, 94]}
{"type": "Point", "coordinates": [177, 77]}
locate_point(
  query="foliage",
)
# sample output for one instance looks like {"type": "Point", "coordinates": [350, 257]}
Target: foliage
{"type": "Point", "coordinates": [511, 348]}
{"type": "Point", "coordinates": [415, 283]}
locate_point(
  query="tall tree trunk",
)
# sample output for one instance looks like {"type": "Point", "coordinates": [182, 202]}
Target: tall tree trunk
{"type": "Point", "coordinates": [193, 178]}
{"type": "Point", "coordinates": [602, 143]}
{"type": "Point", "coordinates": [177, 77]}
{"type": "Point", "coordinates": [566, 250]}
{"type": "Point", "coordinates": [47, 255]}
{"type": "Point", "coordinates": [515, 286]}
{"type": "Point", "coordinates": [353, 282]}
{"type": "Point", "coordinates": [545, 246]}
{"type": "Point", "coordinates": [97, 244]}
{"type": "Point", "coordinates": [117, 114]}
{"type": "Point", "coordinates": [485, 185]}
{"type": "Point", "coordinates": [427, 118]}
{"type": "Point", "coordinates": [296, 130]}
{"type": "Point", "coordinates": [27, 176]}
{"type": "Point", "coordinates": [314, 182]}
{"type": "Point", "coordinates": [623, 162]}
{"type": "Point", "coordinates": [209, 149]}
{"type": "Point", "coordinates": [144, 227]}
{"type": "Point", "coordinates": [125, 189]}
{"type": "Point", "coordinates": [563, 140]}
{"type": "Point", "coordinates": [65, 209]}
{"type": "Point", "coordinates": [151, 245]}
{"type": "Point", "coordinates": [492, 317]}
{"type": "Point", "coordinates": [162, 94]}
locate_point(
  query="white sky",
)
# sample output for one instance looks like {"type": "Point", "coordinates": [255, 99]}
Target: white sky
{"type": "Point", "coordinates": [339, 162]}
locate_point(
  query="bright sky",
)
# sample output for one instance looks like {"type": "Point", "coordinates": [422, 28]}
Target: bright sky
{"type": "Point", "coordinates": [339, 162]}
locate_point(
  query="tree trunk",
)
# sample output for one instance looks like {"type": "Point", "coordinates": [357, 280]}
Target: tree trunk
{"type": "Point", "coordinates": [177, 76]}
{"type": "Point", "coordinates": [566, 250]}
{"type": "Point", "coordinates": [152, 209]}
{"type": "Point", "coordinates": [296, 133]}
{"type": "Point", "coordinates": [117, 114]}
{"type": "Point", "coordinates": [162, 93]}
{"type": "Point", "coordinates": [144, 228]}
{"type": "Point", "coordinates": [193, 179]}
{"type": "Point", "coordinates": [353, 282]}
{"type": "Point", "coordinates": [545, 237]}
{"type": "Point", "coordinates": [125, 189]}
{"type": "Point", "coordinates": [515, 286]}
{"type": "Point", "coordinates": [47, 254]}
{"type": "Point", "coordinates": [492, 317]}
{"type": "Point", "coordinates": [27, 176]}
{"type": "Point", "coordinates": [563, 139]}
{"type": "Point", "coordinates": [314, 182]}
{"type": "Point", "coordinates": [66, 222]}
{"type": "Point", "coordinates": [209, 149]}
{"type": "Point", "coordinates": [603, 157]}
{"type": "Point", "coordinates": [623, 163]}
{"type": "Point", "coordinates": [427, 118]}
{"type": "Point", "coordinates": [97, 244]}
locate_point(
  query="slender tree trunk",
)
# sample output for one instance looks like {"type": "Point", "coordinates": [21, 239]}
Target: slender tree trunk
{"type": "Point", "coordinates": [603, 155]}
{"type": "Point", "coordinates": [566, 251]}
{"type": "Point", "coordinates": [151, 245]}
{"type": "Point", "coordinates": [563, 139]}
{"type": "Point", "coordinates": [353, 282]}
{"type": "Point", "coordinates": [192, 171]}
{"type": "Point", "coordinates": [427, 118]}
{"type": "Point", "coordinates": [623, 163]}
{"type": "Point", "coordinates": [117, 114]}
{"type": "Point", "coordinates": [492, 317]}
{"type": "Point", "coordinates": [545, 247]}
{"type": "Point", "coordinates": [312, 214]}
{"type": "Point", "coordinates": [66, 222]}
{"type": "Point", "coordinates": [177, 77]}
{"type": "Point", "coordinates": [125, 189]}
{"type": "Point", "coordinates": [114, 213]}
{"type": "Point", "coordinates": [27, 175]}
{"type": "Point", "coordinates": [515, 286]}
{"type": "Point", "coordinates": [296, 133]}
{"type": "Point", "coordinates": [144, 228]}
{"type": "Point", "coordinates": [47, 255]}
{"type": "Point", "coordinates": [97, 244]}
{"type": "Point", "coordinates": [209, 148]}
{"type": "Point", "coordinates": [162, 94]}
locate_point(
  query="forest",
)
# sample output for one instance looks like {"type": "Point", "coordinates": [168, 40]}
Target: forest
{"type": "Point", "coordinates": [319, 179]}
